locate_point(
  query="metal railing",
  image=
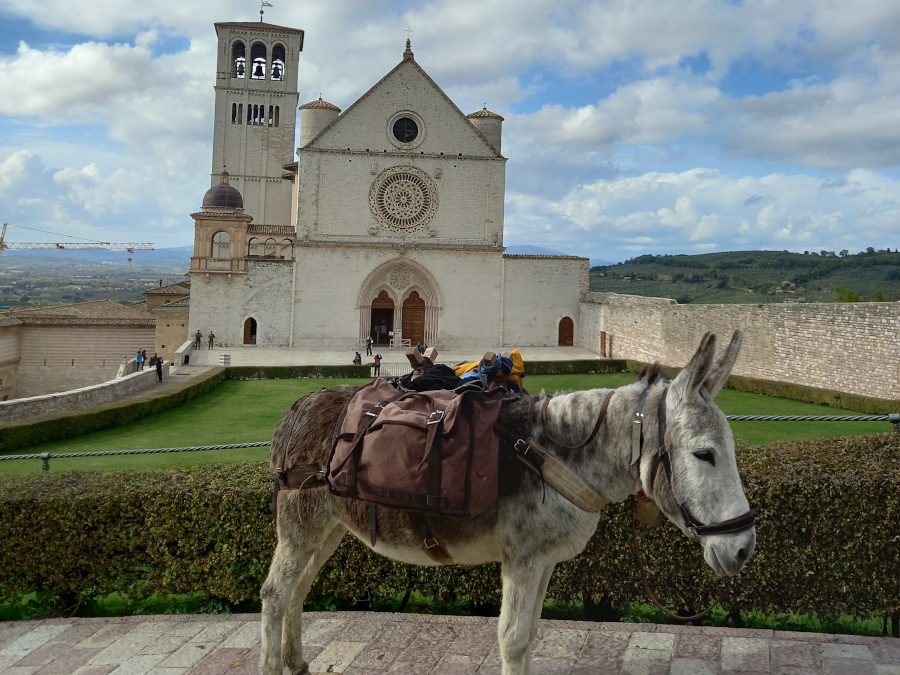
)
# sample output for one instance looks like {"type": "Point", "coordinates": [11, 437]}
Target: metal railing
{"type": "Point", "coordinates": [45, 457]}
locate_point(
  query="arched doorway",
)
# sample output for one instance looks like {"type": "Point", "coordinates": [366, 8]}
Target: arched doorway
{"type": "Point", "coordinates": [414, 319]}
{"type": "Point", "coordinates": [382, 318]}
{"type": "Point", "coordinates": [566, 332]}
{"type": "Point", "coordinates": [250, 331]}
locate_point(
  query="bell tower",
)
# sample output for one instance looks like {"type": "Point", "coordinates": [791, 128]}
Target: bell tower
{"type": "Point", "coordinates": [255, 115]}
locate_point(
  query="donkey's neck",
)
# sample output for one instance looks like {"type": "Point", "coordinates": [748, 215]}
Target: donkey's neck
{"type": "Point", "coordinates": [605, 462]}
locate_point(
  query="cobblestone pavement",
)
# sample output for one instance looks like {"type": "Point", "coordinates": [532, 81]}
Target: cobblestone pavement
{"type": "Point", "coordinates": [367, 643]}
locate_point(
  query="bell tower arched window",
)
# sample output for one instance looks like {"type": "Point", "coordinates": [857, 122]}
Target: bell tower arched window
{"type": "Point", "coordinates": [221, 246]}
{"type": "Point", "coordinates": [238, 60]}
{"type": "Point", "coordinates": [254, 247]}
{"type": "Point", "coordinates": [258, 55]}
{"type": "Point", "coordinates": [269, 247]}
{"type": "Point", "coordinates": [278, 62]}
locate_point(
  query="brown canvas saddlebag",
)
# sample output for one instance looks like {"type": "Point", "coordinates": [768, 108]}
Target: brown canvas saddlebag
{"type": "Point", "coordinates": [434, 451]}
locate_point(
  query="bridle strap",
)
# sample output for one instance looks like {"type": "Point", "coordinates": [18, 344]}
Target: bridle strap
{"type": "Point", "coordinates": [601, 415]}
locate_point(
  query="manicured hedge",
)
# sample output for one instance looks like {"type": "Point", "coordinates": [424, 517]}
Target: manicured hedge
{"type": "Point", "coordinates": [296, 372]}
{"type": "Point", "coordinates": [828, 539]}
{"type": "Point", "coordinates": [865, 405]}
{"type": "Point", "coordinates": [582, 367]}
{"type": "Point", "coordinates": [31, 431]}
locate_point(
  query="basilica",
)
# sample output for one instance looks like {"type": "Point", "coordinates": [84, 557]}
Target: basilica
{"type": "Point", "coordinates": [385, 221]}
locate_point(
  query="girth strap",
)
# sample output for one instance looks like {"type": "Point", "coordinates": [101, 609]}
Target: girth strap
{"type": "Point", "coordinates": [297, 478]}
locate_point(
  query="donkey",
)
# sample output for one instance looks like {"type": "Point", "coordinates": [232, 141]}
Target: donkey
{"type": "Point", "coordinates": [533, 528]}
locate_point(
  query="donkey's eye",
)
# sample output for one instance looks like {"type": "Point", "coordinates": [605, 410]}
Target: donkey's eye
{"type": "Point", "coordinates": [706, 456]}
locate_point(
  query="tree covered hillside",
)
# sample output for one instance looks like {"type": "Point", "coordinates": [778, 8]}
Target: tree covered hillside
{"type": "Point", "coordinates": [757, 276]}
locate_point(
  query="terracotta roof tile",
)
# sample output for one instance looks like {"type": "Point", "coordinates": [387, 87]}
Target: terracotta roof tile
{"type": "Point", "coordinates": [96, 312]}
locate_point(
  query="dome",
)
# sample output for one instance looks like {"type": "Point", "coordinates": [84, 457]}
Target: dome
{"type": "Point", "coordinates": [320, 103]}
{"type": "Point", "coordinates": [223, 195]}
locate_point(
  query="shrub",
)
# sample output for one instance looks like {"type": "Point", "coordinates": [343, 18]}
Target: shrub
{"type": "Point", "coordinates": [827, 539]}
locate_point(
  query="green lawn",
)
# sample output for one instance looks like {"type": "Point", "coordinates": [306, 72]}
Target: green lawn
{"type": "Point", "coordinates": [237, 412]}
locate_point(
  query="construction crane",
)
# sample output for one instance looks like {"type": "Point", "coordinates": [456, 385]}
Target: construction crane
{"type": "Point", "coordinates": [130, 247]}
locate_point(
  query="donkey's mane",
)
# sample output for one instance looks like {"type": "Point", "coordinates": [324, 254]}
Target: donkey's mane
{"type": "Point", "coordinates": [653, 372]}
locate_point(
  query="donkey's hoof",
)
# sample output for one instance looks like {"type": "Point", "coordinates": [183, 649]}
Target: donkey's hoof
{"type": "Point", "coordinates": [302, 670]}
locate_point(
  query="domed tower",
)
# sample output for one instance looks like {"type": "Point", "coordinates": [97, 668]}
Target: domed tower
{"type": "Point", "coordinates": [315, 116]}
{"type": "Point", "coordinates": [220, 231]}
{"type": "Point", "coordinates": [490, 124]}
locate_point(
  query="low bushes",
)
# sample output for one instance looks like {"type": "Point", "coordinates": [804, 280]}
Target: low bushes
{"type": "Point", "coordinates": [827, 539]}
{"type": "Point", "coordinates": [865, 405]}
{"type": "Point", "coordinates": [583, 367]}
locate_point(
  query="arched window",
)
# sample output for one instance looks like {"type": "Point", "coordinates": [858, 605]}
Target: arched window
{"type": "Point", "coordinates": [234, 113]}
{"type": "Point", "coordinates": [258, 54]}
{"type": "Point", "coordinates": [254, 247]}
{"type": "Point", "coordinates": [276, 115]}
{"type": "Point", "coordinates": [249, 114]}
{"type": "Point", "coordinates": [278, 62]}
{"type": "Point", "coordinates": [221, 246]}
{"type": "Point", "coordinates": [287, 249]}
{"type": "Point", "coordinates": [270, 247]}
{"type": "Point", "coordinates": [240, 113]}
{"type": "Point", "coordinates": [238, 59]}
{"type": "Point", "coordinates": [271, 119]}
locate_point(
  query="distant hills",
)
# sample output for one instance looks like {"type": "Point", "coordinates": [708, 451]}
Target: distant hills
{"type": "Point", "coordinates": [179, 256]}
{"type": "Point", "coordinates": [756, 277]}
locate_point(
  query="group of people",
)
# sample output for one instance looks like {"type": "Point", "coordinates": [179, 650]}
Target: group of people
{"type": "Point", "coordinates": [357, 357]}
{"type": "Point", "coordinates": [156, 361]}
{"type": "Point", "coordinates": [198, 339]}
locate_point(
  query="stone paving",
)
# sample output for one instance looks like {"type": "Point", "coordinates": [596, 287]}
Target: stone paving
{"type": "Point", "coordinates": [367, 643]}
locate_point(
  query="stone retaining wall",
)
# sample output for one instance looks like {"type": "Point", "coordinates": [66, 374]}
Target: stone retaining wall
{"type": "Point", "coordinates": [78, 399]}
{"type": "Point", "coordinates": [847, 347]}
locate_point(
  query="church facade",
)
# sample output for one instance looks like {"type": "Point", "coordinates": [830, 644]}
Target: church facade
{"type": "Point", "coordinates": [385, 222]}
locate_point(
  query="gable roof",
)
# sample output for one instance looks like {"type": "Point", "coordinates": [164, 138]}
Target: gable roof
{"type": "Point", "coordinates": [93, 313]}
{"type": "Point", "coordinates": [178, 288]}
{"type": "Point", "coordinates": [408, 58]}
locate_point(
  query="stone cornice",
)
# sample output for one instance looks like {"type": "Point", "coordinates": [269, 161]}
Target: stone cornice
{"type": "Point", "coordinates": [402, 246]}
{"type": "Point", "coordinates": [306, 150]}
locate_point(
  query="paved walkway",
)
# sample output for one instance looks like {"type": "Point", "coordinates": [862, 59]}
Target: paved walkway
{"type": "Point", "coordinates": [367, 643]}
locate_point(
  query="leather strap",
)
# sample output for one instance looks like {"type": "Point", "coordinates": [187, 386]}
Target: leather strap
{"type": "Point", "coordinates": [297, 478]}
{"type": "Point", "coordinates": [435, 427]}
{"type": "Point", "coordinates": [432, 547]}
{"type": "Point", "coordinates": [555, 473]}
{"type": "Point", "coordinates": [601, 415]}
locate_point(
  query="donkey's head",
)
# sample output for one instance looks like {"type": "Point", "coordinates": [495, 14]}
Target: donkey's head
{"type": "Point", "coordinates": [692, 473]}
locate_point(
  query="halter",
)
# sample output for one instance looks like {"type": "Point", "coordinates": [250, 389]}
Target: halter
{"type": "Point", "coordinates": [663, 456]}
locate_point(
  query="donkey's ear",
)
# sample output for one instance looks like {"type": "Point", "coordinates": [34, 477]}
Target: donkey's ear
{"type": "Point", "coordinates": [694, 374]}
{"type": "Point", "coordinates": [719, 374]}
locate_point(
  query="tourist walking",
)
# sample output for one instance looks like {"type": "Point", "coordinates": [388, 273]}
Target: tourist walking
{"type": "Point", "coordinates": [377, 365]}
{"type": "Point", "coordinates": [357, 359]}
{"type": "Point", "coordinates": [143, 358]}
{"type": "Point", "coordinates": [198, 338]}
{"type": "Point", "coordinates": [211, 338]}
{"type": "Point", "coordinates": [138, 365]}
{"type": "Point", "coordinates": [159, 365]}
{"type": "Point", "coordinates": [369, 342]}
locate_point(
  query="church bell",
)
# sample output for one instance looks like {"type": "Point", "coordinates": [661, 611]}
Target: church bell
{"type": "Point", "coordinates": [276, 72]}
{"type": "Point", "coordinates": [258, 71]}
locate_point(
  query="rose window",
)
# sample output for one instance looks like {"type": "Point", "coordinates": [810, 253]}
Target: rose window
{"type": "Point", "coordinates": [403, 198]}
{"type": "Point", "coordinates": [400, 278]}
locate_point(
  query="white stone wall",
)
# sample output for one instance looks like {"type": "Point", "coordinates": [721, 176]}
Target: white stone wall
{"type": "Point", "coordinates": [222, 306]}
{"type": "Point", "coordinates": [849, 347]}
{"type": "Point", "coordinates": [329, 280]}
{"type": "Point", "coordinates": [59, 358]}
{"type": "Point", "coordinates": [538, 292]}
{"type": "Point", "coordinates": [9, 360]}
{"type": "Point", "coordinates": [364, 126]}
{"type": "Point", "coordinates": [334, 198]}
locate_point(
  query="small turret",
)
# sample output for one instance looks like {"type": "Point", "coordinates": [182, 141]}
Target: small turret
{"type": "Point", "coordinates": [490, 124]}
{"type": "Point", "coordinates": [315, 116]}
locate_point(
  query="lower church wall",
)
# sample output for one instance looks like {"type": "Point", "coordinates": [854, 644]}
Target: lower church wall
{"type": "Point", "coordinates": [329, 282]}
{"type": "Point", "coordinates": [223, 306]}
{"type": "Point", "coordinates": [849, 347]}
{"type": "Point", "coordinates": [537, 294]}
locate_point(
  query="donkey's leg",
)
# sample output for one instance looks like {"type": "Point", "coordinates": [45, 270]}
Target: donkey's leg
{"type": "Point", "coordinates": [298, 542]}
{"type": "Point", "coordinates": [521, 580]}
{"type": "Point", "coordinates": [539, 603]}
{"type": "Point", "coordinates": [292, 626]}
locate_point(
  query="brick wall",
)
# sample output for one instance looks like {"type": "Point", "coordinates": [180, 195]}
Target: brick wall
{"type": "Point", "coordinates": [58, 358]}
{"type": "Point", "coordinates": [849, 347]}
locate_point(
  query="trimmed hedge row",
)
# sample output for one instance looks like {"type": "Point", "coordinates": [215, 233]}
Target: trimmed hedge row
{"type": "Point", "coordinates": [31, 431]}
{"type": "Point", "coordinates": [828, 539]}
{"type": "Point", "coordinates": [582, 367]}
{"type": "Point", "coordinates": [296, 372]}
{"type": "Point", "coordinates": [865, 405]}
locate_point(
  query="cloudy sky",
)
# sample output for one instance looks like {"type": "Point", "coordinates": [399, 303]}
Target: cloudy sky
{"type": "Point", "coordinates": [632, 126]}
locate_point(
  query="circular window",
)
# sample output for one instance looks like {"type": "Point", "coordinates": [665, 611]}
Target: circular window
{"type": "Point", "coordinates": [403, 198]}
{"type": "Point", "coordinates": [405, 130]}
